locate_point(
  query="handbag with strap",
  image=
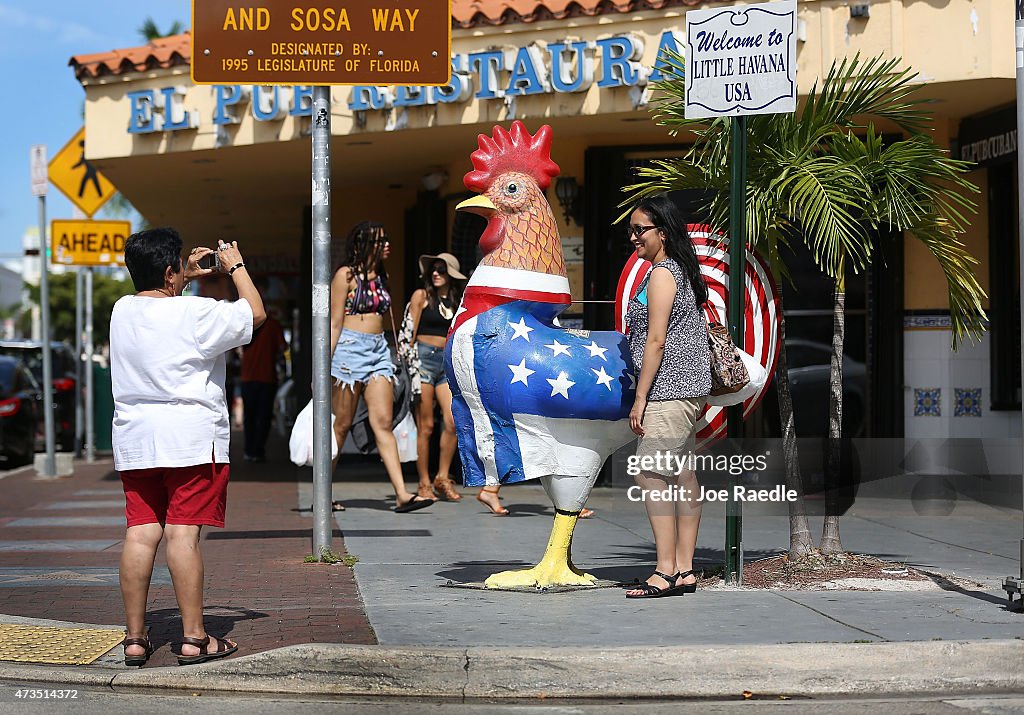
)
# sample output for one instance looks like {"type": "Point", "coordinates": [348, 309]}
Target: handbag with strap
{"type": "Point", "coordinates": [728, 373]}
{"type": "Point", "coordinates": [402, 419]}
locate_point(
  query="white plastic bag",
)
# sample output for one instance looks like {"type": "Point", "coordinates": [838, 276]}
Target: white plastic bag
{"type": "Point", "coordinates": [405, 435]}
{"type": "Point", "coordinates": [300, 444]}
{"type": "Point", "coordinates": [758, 377]}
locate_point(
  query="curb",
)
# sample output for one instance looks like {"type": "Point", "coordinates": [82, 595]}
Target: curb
{"type": "Point", "coordinates": [801, 669]}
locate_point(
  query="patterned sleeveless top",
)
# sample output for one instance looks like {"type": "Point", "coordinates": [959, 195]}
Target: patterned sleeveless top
{"type": "Point", "coordinates": [686, 366]}
{"type": "Point", "coordinates": [368, 296]}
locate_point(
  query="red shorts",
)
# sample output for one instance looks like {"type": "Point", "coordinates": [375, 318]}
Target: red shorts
{"type": "Point", "coordinates": [195, 495]}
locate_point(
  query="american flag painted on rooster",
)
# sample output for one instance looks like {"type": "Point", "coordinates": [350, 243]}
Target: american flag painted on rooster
{"type": "Point", "coordinates": [530, 399]}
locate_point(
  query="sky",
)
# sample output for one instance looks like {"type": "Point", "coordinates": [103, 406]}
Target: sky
{"type": "Point", "coordinates": [43, 104]}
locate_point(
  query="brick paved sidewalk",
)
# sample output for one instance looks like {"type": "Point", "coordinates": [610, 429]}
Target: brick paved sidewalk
{"type": "Point", "coordinates": [60, 542]}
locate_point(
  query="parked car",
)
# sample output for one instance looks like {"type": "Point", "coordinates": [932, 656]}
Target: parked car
{"type": "Point", "coordinates": [21, 412]}
{"type": "Point", "coordinates": [810, 375]}
{"type": "Point", "coordinates": [65, 382]}
{"type": "Point", "coordinates": [810, 366]}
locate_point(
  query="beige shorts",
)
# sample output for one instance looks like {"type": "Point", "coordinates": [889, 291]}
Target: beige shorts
{"type": "Point", "coordinates": [668, 430]}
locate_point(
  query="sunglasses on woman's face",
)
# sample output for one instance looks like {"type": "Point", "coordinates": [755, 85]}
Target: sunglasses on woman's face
{"type": "Point", "coordinates": [639, 231]}
{"type": "Point", "coordinates": [440, 269]}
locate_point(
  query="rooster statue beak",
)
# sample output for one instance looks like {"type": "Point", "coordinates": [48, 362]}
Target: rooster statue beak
{"type": "Point", "coordinates": [479, 205]}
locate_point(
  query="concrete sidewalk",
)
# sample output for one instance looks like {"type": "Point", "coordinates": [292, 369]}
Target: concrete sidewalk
{"type": "Point", "coordinates": [307, 628]}
{"type": "Point", "coordinates": [405, 562]}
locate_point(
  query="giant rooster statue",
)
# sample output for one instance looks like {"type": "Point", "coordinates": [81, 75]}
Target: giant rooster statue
{"type": "Point", "coordinates": [531, 400]}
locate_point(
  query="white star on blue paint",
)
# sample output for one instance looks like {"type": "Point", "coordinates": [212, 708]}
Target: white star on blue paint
{"type": "Point", "coordinates": [597, 351]}
{"type": "Point", "coordinates": [520, 373]}
{"type": "Point", "coordinates": [557, 349]}
{"type": "Point", "coordinates": [521, 328]}
{"type": "Point", "coordinates": [561, 385]}
{"type": "Point", "coordinates": [603, 378]}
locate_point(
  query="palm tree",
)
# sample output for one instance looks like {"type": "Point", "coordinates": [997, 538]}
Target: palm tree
{"type": "Point", "coordinates": [149, 30]}
{"type": "Point", "coordinates": [825, 176]}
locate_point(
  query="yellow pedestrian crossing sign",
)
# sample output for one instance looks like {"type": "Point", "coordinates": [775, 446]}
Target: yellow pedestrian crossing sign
{"type": "Point", "coordinates": [78, 179]}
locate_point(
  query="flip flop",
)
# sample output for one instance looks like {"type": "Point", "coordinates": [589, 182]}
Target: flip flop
{"type": "Point", "coordinates": [337, 506]}
{"type": "Point", "coordinates": [417, 502]}
{"type": "Point", "coordinates": [203, 644]}
{"type": "Point", "coordinates": [586, 513]}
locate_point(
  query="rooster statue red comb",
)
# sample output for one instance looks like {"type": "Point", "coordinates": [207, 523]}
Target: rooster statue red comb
{"type": "Point", "coordinates": [517, 151]}
{"type": "Point", "coordinates": [511, 171]}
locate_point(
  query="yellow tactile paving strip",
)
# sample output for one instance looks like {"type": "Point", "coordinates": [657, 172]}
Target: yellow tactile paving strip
{"type": "Point", "coordinates": [58, 646]}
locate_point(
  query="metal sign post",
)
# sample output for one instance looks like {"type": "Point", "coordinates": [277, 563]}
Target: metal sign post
{"type": "Point", "coordinates": [1011, 584]}
{"type": "Point", "coordinates": [79, 409]}
{"type": "Point", "coordinates": [322, 428]}
{"type": "Point", "coordinates": [90, 387]}
{"type": "Point", "coordinates": [737, 288]}
{"type": "Point", "coordinates": [288, 42]}
{"type": "Point", "coordinates": [38, 159]}
{"type": "Point", "coordinates": [740, 60]}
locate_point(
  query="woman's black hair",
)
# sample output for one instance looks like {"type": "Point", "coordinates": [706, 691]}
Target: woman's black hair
{"type": "Point", "coordinates": [147, 254]}
{"type": "Point", "coordinates": [364, 249]}
{"type": "Point", "coordinates": [666, 216]}
{"type": "Point", "coordinates": [454, 287]}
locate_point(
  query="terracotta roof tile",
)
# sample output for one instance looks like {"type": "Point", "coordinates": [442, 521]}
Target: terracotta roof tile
{"type": "Point", "coordinates": [176, 49]}
{"type": "Point", "coordinates": [473, 13]}
{"type": "Point", "coordinates": [160, 53]}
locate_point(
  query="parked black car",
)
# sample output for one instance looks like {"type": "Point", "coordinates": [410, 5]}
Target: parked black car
{"type": "Point", "coordinates": [21, 412]}
{"type": "Point", "coordinates": [65, 382]}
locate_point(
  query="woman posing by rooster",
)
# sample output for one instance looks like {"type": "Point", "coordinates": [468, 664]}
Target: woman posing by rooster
{"type": "Point", "coordinates": [669, 345]}
{"type": "Point", "coordinates": [432, 308]}
{"type": "Point", "coordinates": [361, 362]}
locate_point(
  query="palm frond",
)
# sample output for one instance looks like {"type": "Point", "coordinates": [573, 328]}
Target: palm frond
{"type": "Point", "coordinates": [965, 292]}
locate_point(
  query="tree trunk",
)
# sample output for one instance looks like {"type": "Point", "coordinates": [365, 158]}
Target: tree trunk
{"type": "Point", "coordinates": [830, 541]}
{"type": "Point", "coordinates": [800, 542]}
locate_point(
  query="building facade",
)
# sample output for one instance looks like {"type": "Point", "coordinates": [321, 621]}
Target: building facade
{"type": "Point", "coordinates": [233, 162]}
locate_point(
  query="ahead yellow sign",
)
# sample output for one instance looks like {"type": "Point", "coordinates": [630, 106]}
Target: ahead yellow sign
{"type": "Point", "coordinates": [79, 180]}
{"type": "Point", "coordinates": [88, 243]}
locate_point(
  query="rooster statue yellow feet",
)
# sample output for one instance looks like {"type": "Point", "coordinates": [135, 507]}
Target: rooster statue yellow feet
{"type": "Point", "coordinates": [554, 569]}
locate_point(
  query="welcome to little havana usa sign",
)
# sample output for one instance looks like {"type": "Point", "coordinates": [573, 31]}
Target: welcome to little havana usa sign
{"type": "Point", "coordinates": [741, 60]}
{"type": "Point", "coordinates": [321, 42]}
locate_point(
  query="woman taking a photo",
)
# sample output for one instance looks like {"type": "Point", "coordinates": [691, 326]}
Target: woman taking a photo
{"type": "Point", "coordinates": [361, 363]}
{"type": "Point", "coordinates": [432, 309]}
{"type": "Point", "coordinates": [668, 341]}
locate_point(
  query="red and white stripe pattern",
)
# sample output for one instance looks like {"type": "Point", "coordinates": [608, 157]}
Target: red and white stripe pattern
{"type": "Point", "coordinates": [761, 329]}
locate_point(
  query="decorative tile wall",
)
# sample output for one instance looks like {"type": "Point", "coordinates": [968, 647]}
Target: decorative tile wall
{"type": "Point", "coordinates": [967, 402]}
{"type": "Point", "coordinates": [927, 402]}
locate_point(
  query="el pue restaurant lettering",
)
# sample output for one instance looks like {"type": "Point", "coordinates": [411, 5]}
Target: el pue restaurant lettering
{"type": "Point", "coordinates": [558, 67]}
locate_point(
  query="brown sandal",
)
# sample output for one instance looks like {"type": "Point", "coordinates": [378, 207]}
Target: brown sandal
{"type": "Point", "coordinates": [500, 511]}
{"type": "Point", "coordinates": [425, 490]}
{"type": "Point", "coordinates": [137, 660]}
{"type": "Point", "coordinates": [224, 648]}
{"type": "Point", "coordinates": [445, 489]}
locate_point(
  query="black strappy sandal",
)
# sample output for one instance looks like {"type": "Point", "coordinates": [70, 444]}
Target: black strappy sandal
{"type": "Point", "coordinates": [651, 591]}
{"type": "Point", "coordinates": [685, 587]}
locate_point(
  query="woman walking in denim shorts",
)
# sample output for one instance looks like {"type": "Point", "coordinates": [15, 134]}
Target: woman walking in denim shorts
{"type": "Point", "coordinates": [361, 361]}
{"type": "Point", "coordinates": [432, 309]}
